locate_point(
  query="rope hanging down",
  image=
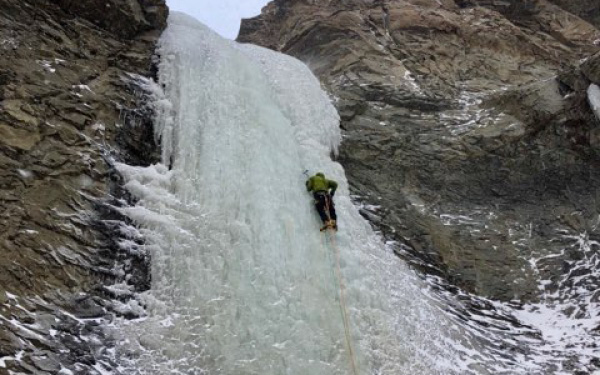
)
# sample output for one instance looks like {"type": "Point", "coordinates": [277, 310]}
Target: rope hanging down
{"type": "Point", "coordinates": [343, 309]}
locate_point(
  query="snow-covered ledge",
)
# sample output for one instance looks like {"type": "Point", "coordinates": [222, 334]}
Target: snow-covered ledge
{"type": "Point", "coordinates": [593, 94]}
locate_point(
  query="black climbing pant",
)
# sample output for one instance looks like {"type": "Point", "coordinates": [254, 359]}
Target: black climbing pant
{"type": "Point", "coordinates": [323, 203]}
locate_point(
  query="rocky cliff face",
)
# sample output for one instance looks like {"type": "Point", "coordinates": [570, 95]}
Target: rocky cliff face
{"type": "Point", "coordinates": [71, 103]}
{"type": "Point", "coordinates": [468, 136]}
{"type": "Point", "coordinates": [589, 10]}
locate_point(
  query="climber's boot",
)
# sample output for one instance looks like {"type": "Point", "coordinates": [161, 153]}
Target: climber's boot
{"type": "Point", "coordinates": [333, 225]}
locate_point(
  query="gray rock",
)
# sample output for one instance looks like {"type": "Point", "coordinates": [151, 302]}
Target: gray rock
{"type": "Point", "coordinates": [60, 128]}
{"type": "Point", "coordinates": [466, 121]}
{"type": "Point", "coordinates": [591, 69]}
{"type": "Point", "coordinates": [124, 18]}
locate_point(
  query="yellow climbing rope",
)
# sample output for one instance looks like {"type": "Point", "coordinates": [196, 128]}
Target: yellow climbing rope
{"type": "Point", "coordinates": [343, 308]}
{"type": "Point", "coordinates": [340, 279]}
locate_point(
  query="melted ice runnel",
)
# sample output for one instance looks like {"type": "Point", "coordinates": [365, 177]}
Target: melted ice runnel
{"type": "Point", "coordinates": [243, 282]}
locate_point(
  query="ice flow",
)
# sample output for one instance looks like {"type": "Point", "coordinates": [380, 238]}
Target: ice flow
{"type": "Point", "coordinates": [243, 282]}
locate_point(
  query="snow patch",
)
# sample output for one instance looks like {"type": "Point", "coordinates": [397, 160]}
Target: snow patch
{"type": "Point", "coordinates": [412, 82]}
{"type": "Point", "coordinates": [11, 296]}
{"type": "Point", "coordinates": [9, 43]}
{"type": "Point", "coordinates": [16, 358]}
{"type": "Point", "coordinates": [83, 88]}
{"type": "Point", "coordinates": [593, 93]}
{"type": "Point", "coordinates": [99, 127]}
{"type": "Point", "coordinates": [120, 290]}
{"type": "Point", "coordinates": [25, 173]}
{"type": "Point", "coordinates": [47, 65]}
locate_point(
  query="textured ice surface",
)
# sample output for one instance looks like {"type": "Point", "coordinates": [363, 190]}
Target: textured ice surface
{"type": "Point", "coordinates": [243, 282]}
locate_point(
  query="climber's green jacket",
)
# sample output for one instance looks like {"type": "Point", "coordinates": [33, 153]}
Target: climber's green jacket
{"type": "Point", "coordinates": [318, 183]}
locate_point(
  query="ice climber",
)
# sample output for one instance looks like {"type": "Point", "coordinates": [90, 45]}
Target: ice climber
{"type": "Point", "coordinates": [323, 191]}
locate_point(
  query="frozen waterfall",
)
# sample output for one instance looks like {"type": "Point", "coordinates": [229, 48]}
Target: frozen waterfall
{"type": "Point", "coordinates": [243, 282]}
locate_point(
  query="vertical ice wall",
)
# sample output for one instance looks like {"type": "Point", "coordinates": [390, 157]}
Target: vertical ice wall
{"type": "Point", "coordinates": [242, 280]}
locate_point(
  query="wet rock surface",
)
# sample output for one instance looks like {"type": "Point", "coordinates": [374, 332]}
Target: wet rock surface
{"type": "Point", "coordinates": [71, 103]}
{"type": "Point", "coordinates": [469, 140]}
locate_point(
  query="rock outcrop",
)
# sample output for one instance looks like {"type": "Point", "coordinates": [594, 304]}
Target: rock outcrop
{"type": "Point", "coordinates": [466, 125]}
{"type": "Point", "coordinates": [71, 102]}
{"type": "Point", "coordinates": [470, 143]}
{"type": "Point", "coordinates": [589, 10]}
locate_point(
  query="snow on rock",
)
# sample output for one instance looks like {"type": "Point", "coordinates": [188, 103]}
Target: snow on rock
{"type": "Point", "coordinates": [593, 93]}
